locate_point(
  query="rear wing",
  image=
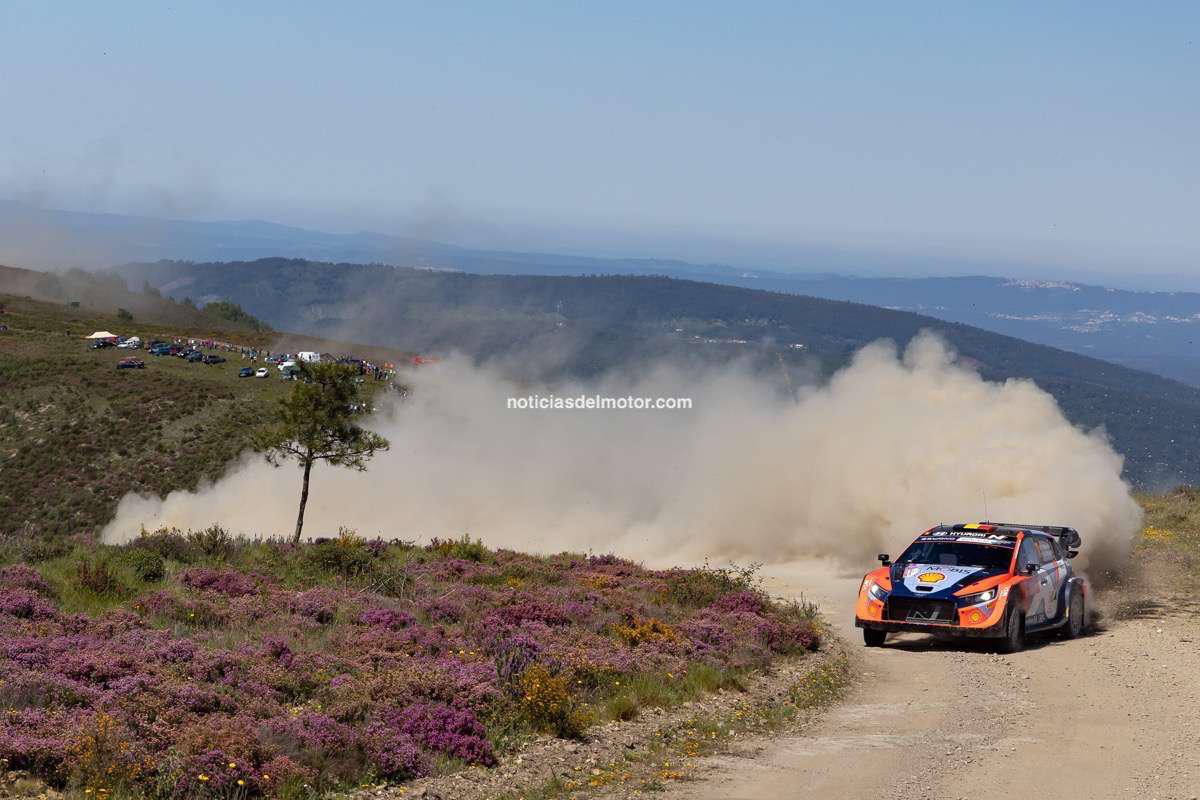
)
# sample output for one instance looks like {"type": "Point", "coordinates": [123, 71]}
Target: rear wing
{"type": "Point", "coordinates": [1067, 537]}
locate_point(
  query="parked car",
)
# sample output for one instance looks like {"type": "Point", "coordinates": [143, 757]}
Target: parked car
{"type": "Point", "coordinates": [262, 372]}
{"type": "Point", "coordinates": [100, 344]}
{"type": "Point", "coordinates": [194, 357]}
{"type": "Point", "coordinates": [246, 372]}
{"type": "Point", "coordinates": [131, 363]}
{"type": "Point", "coordinates": [213, 358]}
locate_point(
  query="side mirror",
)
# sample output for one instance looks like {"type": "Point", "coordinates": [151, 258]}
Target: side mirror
{"type": "Point", "coordinates": [885, 559]}
{"type": "Point", "coordinates": [1031, 569]}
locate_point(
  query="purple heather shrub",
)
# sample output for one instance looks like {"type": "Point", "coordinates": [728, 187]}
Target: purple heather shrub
{"type": "Point", "coordinates": [708, 635]}
{"type": "Point", "coordinates": [37, 739]}
{"type": "Point", "coordinates": [30, 689]}
{"type": "Point", "coordinates": [319, 742]}
{"type": "Point", "coordinates": [456, 569]}
{"type": "Point", "coordinates": [743, 602]}
{"type": "Point", "coordinates": [514, 654]}
{"type": "Point", "coordinates": [319, 604]}
{"type": "Point", "coordinates": [446, 608]}
{"type": "Point", "coordinates": [783, 637]}
{"type": "Point", "coordinates": [281, 771]}
{"type": "Point", "coordinates": [21, 576]}
{"type": "Point", "coordinates": [531, 608]}
{"type": "Point", "coordinates": [310, 730]}
{"type": "Point", "coordinates": [25, 604]}
{"type": "Point", "coordinates": [397, 755]}
{"type": "Point", "coordinates": [389, 618]}
{"type": "Point", "coordinates": [336, 683]}
{"type": "Point", "coordinates": [209, 772]}
{"type": "Point", "coordinates": [278, 650]}
{"type": "Point", "coordinates": [199, 699]}
{"type": "Point", "coordinates": [222, 581]}
{"type": "Point", "coordinates": [454, 731]}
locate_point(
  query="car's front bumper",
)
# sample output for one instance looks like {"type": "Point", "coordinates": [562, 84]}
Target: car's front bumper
{"type": "Point", "coordinates": [995, 630]}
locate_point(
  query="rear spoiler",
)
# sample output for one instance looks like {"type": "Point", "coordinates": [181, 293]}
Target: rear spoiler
{"type": "Point", "coordinates": [1067, 537]}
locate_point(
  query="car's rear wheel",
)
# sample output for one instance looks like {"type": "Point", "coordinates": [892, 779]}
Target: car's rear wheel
{"type": "Point", "coordinates": [873, 638]}
{"type": "Point", "coordinates": [1076, 616]}
{"type": "Point", "coordinates": [1014, 633]}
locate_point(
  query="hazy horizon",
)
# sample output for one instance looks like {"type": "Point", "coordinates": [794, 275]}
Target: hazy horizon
{"type": "Point", "coordinates": [1025, 141]}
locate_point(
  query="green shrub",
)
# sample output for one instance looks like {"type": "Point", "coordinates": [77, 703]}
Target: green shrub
{"type": "Point", "coordinates": [99, 579]}
{"type": "Point", "coordinates": [465, 548]}
{"type": "Point", "coordinates": [147, 565]}
{"type": "Point", "coordinates": [214, 541]}
{"type": "Point", "coordinates": [170, 544]}
{"type": "Point", "coordinates": [347, 556]}
{"type": "Point", "coordinates": [696, 588]}
{"type": "Point", "coordinates": [36, 549]}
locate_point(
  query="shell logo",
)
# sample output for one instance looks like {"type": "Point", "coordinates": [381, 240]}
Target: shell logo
{"type": "Point", "coordinates": [931, 577]}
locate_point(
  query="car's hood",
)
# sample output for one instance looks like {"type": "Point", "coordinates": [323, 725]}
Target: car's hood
{"type": "Point", "coordinates": [936, 580]}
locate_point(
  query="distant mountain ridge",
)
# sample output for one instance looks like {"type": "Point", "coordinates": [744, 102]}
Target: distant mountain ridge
{"type": "Point", "coordinates": [1153, 331]}
{"type": "Point", "coordinates": [586, 325]}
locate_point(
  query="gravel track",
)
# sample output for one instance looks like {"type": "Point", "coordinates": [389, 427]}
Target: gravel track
{"type": "Point", "coordinates": [1115, 714]}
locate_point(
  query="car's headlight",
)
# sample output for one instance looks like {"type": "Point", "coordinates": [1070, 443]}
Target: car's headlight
{"type": "Point", "coordinates": [877, 591]}
{"type": "Point", "coordinates": [981, 597]}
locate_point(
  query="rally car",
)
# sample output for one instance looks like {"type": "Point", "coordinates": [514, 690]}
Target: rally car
{"type": "Point", "coordinates": [988, 579]}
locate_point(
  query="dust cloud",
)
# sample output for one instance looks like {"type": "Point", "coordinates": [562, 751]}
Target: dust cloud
{"type": "Point", "coordinates": [891, 444]}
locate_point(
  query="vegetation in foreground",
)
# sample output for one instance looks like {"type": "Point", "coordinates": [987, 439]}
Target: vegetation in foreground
{"type": "Point", "coordinates": [1164, 567]}
{"type": "Point", "coordinates": [195, 664]}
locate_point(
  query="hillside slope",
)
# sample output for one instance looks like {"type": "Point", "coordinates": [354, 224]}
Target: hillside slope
{"type": "Point", "coordinates": [584, 325]}
{"type": "Point", "coordinates": [76, 434]}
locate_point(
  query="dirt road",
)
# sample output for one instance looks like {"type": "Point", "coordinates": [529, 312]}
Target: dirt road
{"type": "Point", "coordinates": [1112, 715]}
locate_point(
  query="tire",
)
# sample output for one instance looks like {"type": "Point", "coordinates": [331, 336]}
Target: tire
{"type": "Point", "coordinates": [873, 638]}
{"type": "Point", "coordinates": [1076, 616]}
{"type": "Point", "coordinates": [1014, 633]}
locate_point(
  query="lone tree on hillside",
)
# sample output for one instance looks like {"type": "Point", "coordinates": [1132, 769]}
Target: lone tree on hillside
{"type": "Point", "coordinates": [317, 422]}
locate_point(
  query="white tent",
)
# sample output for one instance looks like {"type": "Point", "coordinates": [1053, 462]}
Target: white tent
{"type": "Point", "coordinates": [101, 335]}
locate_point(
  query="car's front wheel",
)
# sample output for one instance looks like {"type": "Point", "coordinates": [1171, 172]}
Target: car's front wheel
{"type": "Point", "coordinates": [1014, 633]}
{"type": "Point", "coordinates": [1076, 616]}
{"type": "Point", "coordinates": [873, 638]}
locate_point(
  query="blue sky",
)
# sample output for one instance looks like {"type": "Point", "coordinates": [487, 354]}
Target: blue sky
{"type": "Point", "coordinates": [1062, 133]}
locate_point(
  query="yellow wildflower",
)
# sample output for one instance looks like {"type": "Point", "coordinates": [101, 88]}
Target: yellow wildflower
{"type": "Point", "coordinates": [203, 778]}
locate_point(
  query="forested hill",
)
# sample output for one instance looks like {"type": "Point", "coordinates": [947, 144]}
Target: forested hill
{"type": "Point", "coordinates": [585, 325]}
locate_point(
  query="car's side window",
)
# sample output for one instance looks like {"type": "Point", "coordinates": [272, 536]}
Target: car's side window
{"type": "Point", "coordinates": [1058, 553]}
{"type": "Point", "coordinates": [1045, 553]}
{"type": "Point", "coordinates": [1028, 554]}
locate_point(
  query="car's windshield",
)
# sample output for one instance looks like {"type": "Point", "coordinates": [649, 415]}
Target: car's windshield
{"type": "Point", "coordinates": [997, 556]}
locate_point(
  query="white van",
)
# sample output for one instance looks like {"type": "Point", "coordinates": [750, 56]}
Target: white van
{"type": "Point", "coordinates": [309, 357]}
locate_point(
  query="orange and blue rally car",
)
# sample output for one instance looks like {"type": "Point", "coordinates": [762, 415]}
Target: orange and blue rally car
{"type": "Point", "coordinates": [985, 579]}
